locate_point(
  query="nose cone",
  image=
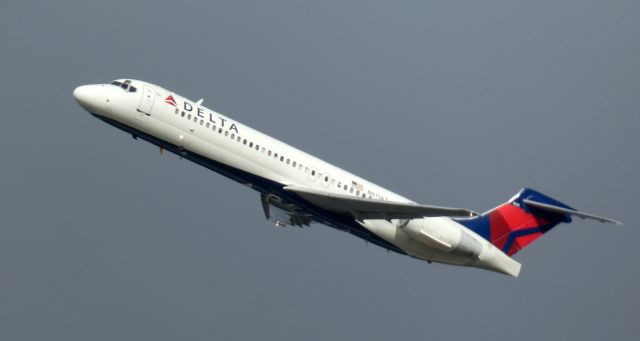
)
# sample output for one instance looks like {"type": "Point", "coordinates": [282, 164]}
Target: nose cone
{"type": "Point", "coordinates": [88, 97]}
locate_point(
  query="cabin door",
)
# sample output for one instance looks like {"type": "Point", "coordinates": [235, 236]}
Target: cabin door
{"type": "Point", "coordinates": [146, 103]}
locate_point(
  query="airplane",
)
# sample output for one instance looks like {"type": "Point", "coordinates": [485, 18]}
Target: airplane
{"type": "Point", "coordinates": [298, 189]}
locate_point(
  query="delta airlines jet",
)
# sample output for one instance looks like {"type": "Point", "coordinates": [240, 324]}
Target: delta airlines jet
{"type": "Point", "coordinates": [299, 189]}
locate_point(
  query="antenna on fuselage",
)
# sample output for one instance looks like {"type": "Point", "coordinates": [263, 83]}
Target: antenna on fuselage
{"type": "Point", "coordinates": [200, 101]}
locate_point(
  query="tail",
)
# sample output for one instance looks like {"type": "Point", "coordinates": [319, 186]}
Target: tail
{"type": "Point", "coordinates": [515, 224]}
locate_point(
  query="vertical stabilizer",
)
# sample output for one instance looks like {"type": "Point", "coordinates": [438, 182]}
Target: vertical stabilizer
{"type": "Point", "coordinates": [514, 225]}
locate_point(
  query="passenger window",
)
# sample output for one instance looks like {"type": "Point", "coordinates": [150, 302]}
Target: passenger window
{"type": "Point", "coordinates": [233, 136]}
{"type": "Point", "coordinates": [201, 122]}
{"type": "Point", "coordinates": [345, 187]}
{"type": "Point", "coordinates": [288, 161]}
{"type": "Point", "coordinates": [294, 164]}
{"type": "Point", "coordinates": [257, 147]}
{"type": "Point", "coordinates": [195, 119]}
{"type": "Point", "coordinates": [183, 114]}
{"type": "Point", "coordinates": [239, 139]}
{"type": "Point", "coordinates": [313, 173]}
{"type": "Point", "coordinates": [250, 144]}
{"type": "Point", "coordinates": [351, 190]}
{"type": "Point", "coordinates": [208, 125]}
{"type": "Point", "coordinates": [177, 111]}
{"type": "Point", "coordinates": [226, 133]}
{"type": "Point", "coordinates": [282, 158]}
{"type": "Point", "coordinates": [189, 117]}
{"type": "Point", "coordinates": [269, 153]}
{"type": "Point", "coordinates": [244, 141]}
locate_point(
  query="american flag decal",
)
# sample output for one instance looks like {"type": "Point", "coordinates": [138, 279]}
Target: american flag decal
{"type": "Point", "coordinates": [356, 185]}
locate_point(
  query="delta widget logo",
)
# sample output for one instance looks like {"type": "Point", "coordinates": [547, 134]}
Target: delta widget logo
{"type": "Point", "coordinates": [170, 100]}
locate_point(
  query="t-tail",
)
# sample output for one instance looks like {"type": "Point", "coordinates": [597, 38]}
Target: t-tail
{"type": "Point", "coordinates": [517, 223]}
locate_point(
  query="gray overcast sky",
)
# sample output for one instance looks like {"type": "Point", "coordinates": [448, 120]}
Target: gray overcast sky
{"type": "Point", "coordinates": [450, 103]}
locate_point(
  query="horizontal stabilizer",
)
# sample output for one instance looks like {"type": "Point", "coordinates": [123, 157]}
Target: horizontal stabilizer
{"type": "Point", "coordinates": [558, 209]}
{"type": "Point", "coordinates": [364, 208]}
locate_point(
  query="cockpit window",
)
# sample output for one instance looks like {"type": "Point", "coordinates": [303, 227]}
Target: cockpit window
{"type": "Point", "coordinates": [126, 85]}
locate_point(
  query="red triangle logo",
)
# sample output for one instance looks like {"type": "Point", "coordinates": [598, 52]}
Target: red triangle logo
{"type": "Point", "coordinates": [170, 100]}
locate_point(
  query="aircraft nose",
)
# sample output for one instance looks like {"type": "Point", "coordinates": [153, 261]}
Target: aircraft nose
{"type": "Point", "coordinates": [87, 97]}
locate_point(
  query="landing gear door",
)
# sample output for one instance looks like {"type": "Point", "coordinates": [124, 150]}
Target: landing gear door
{"type": "Point", "coordinates": [146, 103]}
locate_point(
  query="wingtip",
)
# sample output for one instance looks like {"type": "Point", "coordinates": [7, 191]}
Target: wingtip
{"type": "Point", "coordinates": [619, 223]}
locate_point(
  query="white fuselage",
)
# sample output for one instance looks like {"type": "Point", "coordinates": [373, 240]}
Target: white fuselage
{"type": "Point", "coordinates": [265, 163]}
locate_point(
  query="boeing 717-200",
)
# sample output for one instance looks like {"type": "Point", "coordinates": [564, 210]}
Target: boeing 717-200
{"type": "Point", "coordinates": [299, 189]}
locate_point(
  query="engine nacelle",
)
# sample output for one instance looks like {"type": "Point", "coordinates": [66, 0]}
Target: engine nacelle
{"type": "Point", "coordinates": [434, 239]}
{"type": "Point", "coordinates": [444, 234]}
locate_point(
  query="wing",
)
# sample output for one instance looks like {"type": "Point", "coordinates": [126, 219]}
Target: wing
{"type": "Point", "coordinates": [363, 208]}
